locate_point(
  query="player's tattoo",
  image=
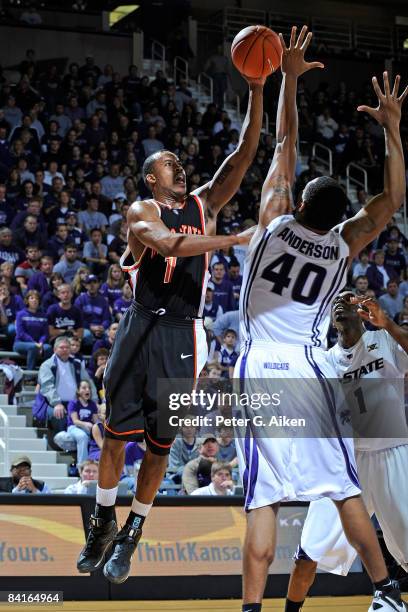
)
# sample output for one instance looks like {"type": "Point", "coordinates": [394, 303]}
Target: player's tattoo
{"type": "Point", "coordinates": [225, 172]}
{"type": "Point", "coordinates": [359, 227]}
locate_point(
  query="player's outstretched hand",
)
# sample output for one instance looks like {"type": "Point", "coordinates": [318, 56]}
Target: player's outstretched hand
{"type": "Point", "coordinates": [293, 57]}
{"type": "Point", "coordinates": [388, 111]}
{"type": "Point", "coordinates": [245, 236]}
{"type": "Point", "coordinates": [370, 310]}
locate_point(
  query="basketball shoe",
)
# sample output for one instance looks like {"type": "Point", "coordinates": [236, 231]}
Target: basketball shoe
{"type": "Point", "coordinates": [388, 601]}
{"type": "Point", "coordinates": [99, 540]}
{"type": "Point", "coordinates": [117, 569]}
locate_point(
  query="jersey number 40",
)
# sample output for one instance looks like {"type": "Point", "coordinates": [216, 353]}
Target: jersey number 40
{"type": "Point", "coordinates": [310, 274]}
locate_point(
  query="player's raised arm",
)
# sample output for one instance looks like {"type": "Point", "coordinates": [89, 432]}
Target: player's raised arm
{"type": "Point", "coordinates": [145, 223]}
{"type": "Point", "coordinates": [276, 198]}
{"type": "Point", "coordinates": [220, 189]}
{"type": "Point", "coordinates": [371, 220]}
{"type": "Point", "coordinates": [371, 311]}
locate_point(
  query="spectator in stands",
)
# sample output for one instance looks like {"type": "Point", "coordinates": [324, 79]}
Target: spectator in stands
{"type": "Point", "coordinates": [99, 359]}
{"type": "Point", "coordinates": [197, 472]}
{"type": "Point", "coordinates": [95, 252]}
{"type": "Point", "coordinates": [59, 378]}
{"type": "Point", "coordinates": [379, 274]}
{"type": "Point", "coordinates": [227, 355]}
{"type": "Point", "coordinates": [121, 305]}
{"type": "Point", "coordinates": [58, 242]}
{"type": "Point", "coordinates": [91, 217]}
{"type": "Point", "coordinates": [78, 284]}
{"type": "Point", "coordinates": [41, 281]}
{"type": "Point", "coordinates": [8, 251]}
{"type": "Point", "coordinates": [10, 305]}
{"type": "Point", "coordinates": [184, 448]}
{"type": "Point", "coordinates": [75, 234]}
{"type": "Point", "coordinates": [95, 309]}
{"type": "Point", "coordinates": [64, 318]}
{"type": "Point", "coordinates": [82, 415]}
{"type": "Point", "coordinates": [118, 245]}
{"type": "Point", "coordinates": [112, 183]}
{"type": "Point", "coordinates": [401, 318]}
{"type": "Point", "coordinates": [361, 267]}
{"type": "Point", "coordinates": [51, 297]}
{"type": "Point", "coordinates": [112, 288]}
{"type": "Point", "coordinates": [97, 432]}
{"type": "Point", "coordinates": [151, 144]}
{"type": "Point", "coordinates": [69, 264]}
{"type": "Point", "coordinates": [27, 268]}
{"type": "Point", "coordinates": [227, 452]}
{"type": "Point", "coordinates": [392, 302]}
{"type": "Point", "coordinates": [392, 232]}
{"type": "Point", "coordinates": [217, 67]}
{"type": "Point", "coordinates": [21, 480]}
{"type": "Point", "coordinates": [212, 309]}
{"type": "Point", "coordinates": [32, 331]}
{"type": "Point", "coordinates": [30, 234]}
{"type": "Point", "coordinates": [229, 320]}
{"type": "Point", "coordinates": [221, 481]}
{"type": "Point", "coordinates": [361, 285]}
{"type": "Point", "coordinates": [222, 287]}
{"type": "Point", "coordinates": [394, 257]}
{"type": "Point", "coordinates": [326, 127]}
{"type": "Point", "coordinates": [88, 472]}
{"type": "Point", "coordinates": [235, 278]}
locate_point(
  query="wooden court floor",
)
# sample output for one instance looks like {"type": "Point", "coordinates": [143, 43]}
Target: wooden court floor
{"type": "Point", "coordinates": [315, 604]}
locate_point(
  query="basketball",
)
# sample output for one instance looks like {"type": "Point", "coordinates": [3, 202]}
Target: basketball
{"type": "Point", "coordinates": [256, 51]}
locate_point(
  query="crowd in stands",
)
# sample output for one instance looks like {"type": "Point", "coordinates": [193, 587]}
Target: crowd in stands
{"type": "Point", "coordinates": [71, 150]}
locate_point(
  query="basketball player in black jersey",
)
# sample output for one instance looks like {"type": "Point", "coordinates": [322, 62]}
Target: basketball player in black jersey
{"type": "Point", "coordinates": [162, 333]}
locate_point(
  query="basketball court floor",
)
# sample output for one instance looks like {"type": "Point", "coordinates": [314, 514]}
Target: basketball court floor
{"type": "Point", "coordinates": [315, 604]}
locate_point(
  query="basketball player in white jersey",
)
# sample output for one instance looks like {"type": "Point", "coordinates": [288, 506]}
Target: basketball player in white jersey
{"type": "Point", "coordinates": [361, 356]}
{"type": "Point", "coordinates": [296, 264]}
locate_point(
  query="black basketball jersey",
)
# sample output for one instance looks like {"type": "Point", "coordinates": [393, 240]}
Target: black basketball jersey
{"type": "Point", "coordinates": [176, 284]}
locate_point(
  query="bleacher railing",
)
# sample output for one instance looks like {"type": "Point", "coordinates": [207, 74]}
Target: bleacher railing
{"type": "Point", "coordinates": [4, 442]}
{"type": "Point", "coordinates": [324, 156]}
{"type": "Point", "coordinates": [205, 85]}
{"type": "Point", "coordinates": [180, 68]}
{"type": "Point", "coordinates": [158, 52]}
{"type": "Point", "coordinates": [358, 182]}
{"type": "Point", "coordinates": [335, 34]}
{"type": "Point", "coordinates": [370, 37]}
{"type": "Point", "coordinates": [235, 19]}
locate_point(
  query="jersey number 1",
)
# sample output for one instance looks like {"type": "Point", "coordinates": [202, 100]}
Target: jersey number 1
{"type": "Point", "coordinates": [171, 264]}
{"type": "Point", "coordinates": [278, 273]}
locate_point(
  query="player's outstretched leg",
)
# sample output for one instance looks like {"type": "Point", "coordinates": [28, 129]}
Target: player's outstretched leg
{"type": "Point", "coordinates": [301, 579]}
{"type": "Point", "coordinates": [360, 533]}
{"type": "Point", "coordinates": [150, 476]}
{"type": "Point", "coordinates": [103, 528]}
{"type": "Point", "coordinates": [259, 550]}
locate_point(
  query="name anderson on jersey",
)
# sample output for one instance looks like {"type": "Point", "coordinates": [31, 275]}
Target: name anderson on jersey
{"type": "Point", "coordinates": [307, 247]}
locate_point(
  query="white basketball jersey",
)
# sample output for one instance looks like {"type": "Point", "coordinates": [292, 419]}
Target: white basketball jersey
{"type": "Point", "coordinates": [291, 276]}
{"type": "Point", "coordinates": [376, 405]}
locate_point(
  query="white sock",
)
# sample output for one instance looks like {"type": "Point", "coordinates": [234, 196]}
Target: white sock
{"type": "Point", "coordinates": [139, 508]}
{"type": "Point", "coordinates": [106, 497]}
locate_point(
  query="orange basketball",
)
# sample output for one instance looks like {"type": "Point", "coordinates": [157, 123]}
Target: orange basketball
{"type": "Point", "coordinates": [256, 51]}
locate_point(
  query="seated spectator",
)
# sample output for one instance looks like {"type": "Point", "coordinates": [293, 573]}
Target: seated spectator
{"type": "Point", "coordinates": [82, 414]}
{"type": "Point", "coordinates": [395, 258]}
{"type": "Point", "coordinates": [227, 355]}
{"type": "Point", "coordinates": [10, 305]}
{"type": "Point", "coordinates": [392, 301]}
{"type": "Point", "coordinates": [119, 244]}
{"type": "Point", "coordinates": [78, 284]}
{"type": "Point", "coordinates": [392, 232]}
{"type": "Point", "coordinates": [26, 269]}
{"type": "Point", "coordinates": [41, 281]}
{"type": "Point", "coordinates": [32, 331]}
{"type": "Point", "coordinates": [121, 305]}
{"type": "Point", "coordinates": [91, 217]}
{"type": "Point", "coordinates": [100, 359]}
{"type": "Point", "coordinates": [56, 244]}
{"type": "Point", "coordinates": [88, 472]}
{"type": "Point", "coordinates": [236, 279]}
{"type": "Point", "coordinates": [51, 297]}
{"type": "Point", "coordinates": [69, 264]}
{"type": "Point", "coordinates": [197, 472]}
{"type": "Point", "coordinates": [9, 251]}
{"type": "Point", "coordinates": [64, 318]}
{"type": "Point", "coordinates": [227, 452]}
{"type": "Point", "coordinates": [95, 252]}
{"type": "Point", "coordinates": [30, 234]}
{"type": "Point", "coordinates": [97, 433]}
{"type": "Point", "coordinates": [112, 289]}
{"type": "Point", "coordinates": [95, 310]}
{"type": "Point", "coordinates": [229, 320]}
{"type": "Point", "coordinates": [184, 448]}
{"type": "Point", "coordinates": [21, 480]}
{"type": "Point", "coordinates": [361, 285]}
{"type": "Point", "coordinates": [361, 267]}
{"type": "Point", "coordinates": [7, 277]}
{"type": "Point", "coordinates": [59, 378]}
{"type": "Point", "coordinates": [379, 274]}
{"type": "Point", "coordinates": [212, 309]}
{"type": "Point", "coordinates": [326, 126]}
{"type": "Point", "coordinates": [401, 318]}
{"type": "Point", "coordinates": [222, 287]}
{"type": "Point", "coordinates": [75, 234]}
{"type": "Point", "coordinates": [112, 183]}
{"type": "Point", "coordinates": [221, 481]}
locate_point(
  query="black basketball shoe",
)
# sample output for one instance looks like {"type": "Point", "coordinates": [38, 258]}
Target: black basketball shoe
{"type": "Point", "coordinates": [100, 537]}
{"type": "Point", "coordinates": [388, 601]}
{"type": "Point", "coordinates": [124, 545]}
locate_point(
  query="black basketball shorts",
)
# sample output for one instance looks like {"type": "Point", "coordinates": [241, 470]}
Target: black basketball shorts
{"type": "Point", "coordinates": [148, 347]}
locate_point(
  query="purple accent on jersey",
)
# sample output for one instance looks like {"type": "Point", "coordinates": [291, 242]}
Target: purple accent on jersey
{"type": "Point", "coordinates": [301, 555]}
{"type": "Point", "coordinates": [95, 310]}
{"type": "Point", "coordinates": [85, 413]}
{"type": "Point", "coordinates": [31, 327]}
{"type": "Point", "coordinates": [111, 294]}
{"type": "Point", "coordinates": [64, 319]}
{"type": "Point", "coordinates": [253, 474]}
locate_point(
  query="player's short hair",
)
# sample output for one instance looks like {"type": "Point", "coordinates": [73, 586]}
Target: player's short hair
{"type": "Point", "coordinates": [325, 203]}
{"type": "Point", "coordinates": [148, 165]}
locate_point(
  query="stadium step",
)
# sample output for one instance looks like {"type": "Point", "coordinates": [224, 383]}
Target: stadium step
{"type": "Point", "coordinates": [59, 482]}
{"type": "Point", "coordinates": [26, 447]}
{"type": "Point", "coordinates": [36, 456]}
{"type": "Point", "coordinates": [49, 470]}
{"type": "Point", "coordinates": [16, 420]}
{"type": "Point", "coordinates": [28, 433]}
{"type": "Point", "coordinates": [9, 409]}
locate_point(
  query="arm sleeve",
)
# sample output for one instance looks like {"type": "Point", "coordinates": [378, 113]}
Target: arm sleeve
{"type": "Point", "coordinates": [47, 384]}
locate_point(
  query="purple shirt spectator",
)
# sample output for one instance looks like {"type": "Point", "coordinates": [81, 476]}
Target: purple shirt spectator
{"type": "Point", "coordinates": [48, 300]}
{"type": "Point", "coordinates": [31, 327]}
{"type": "Point", "coordinates": [85, 413]}
{"type": "Point", "coordinates": [94, 452]}
{"type": "Point", "coordinates": [120, 306]}
{"type": "Point", "coordinates": [13, 307]}
{"type": "Point", "coordinates": [38, 281]}
{"type": "Point", "coordinates": [95, 310]}
{"type": "Point", "coordinates": [224, 295]}
{"type": "Point", "coordinates": [61, 318]}
{"type": "Point", "coordinates": [111, 294]}
{"type": "Point", "coordinates": [12, 254]}
{"type": "Point", "coordinates": [133, 453]}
